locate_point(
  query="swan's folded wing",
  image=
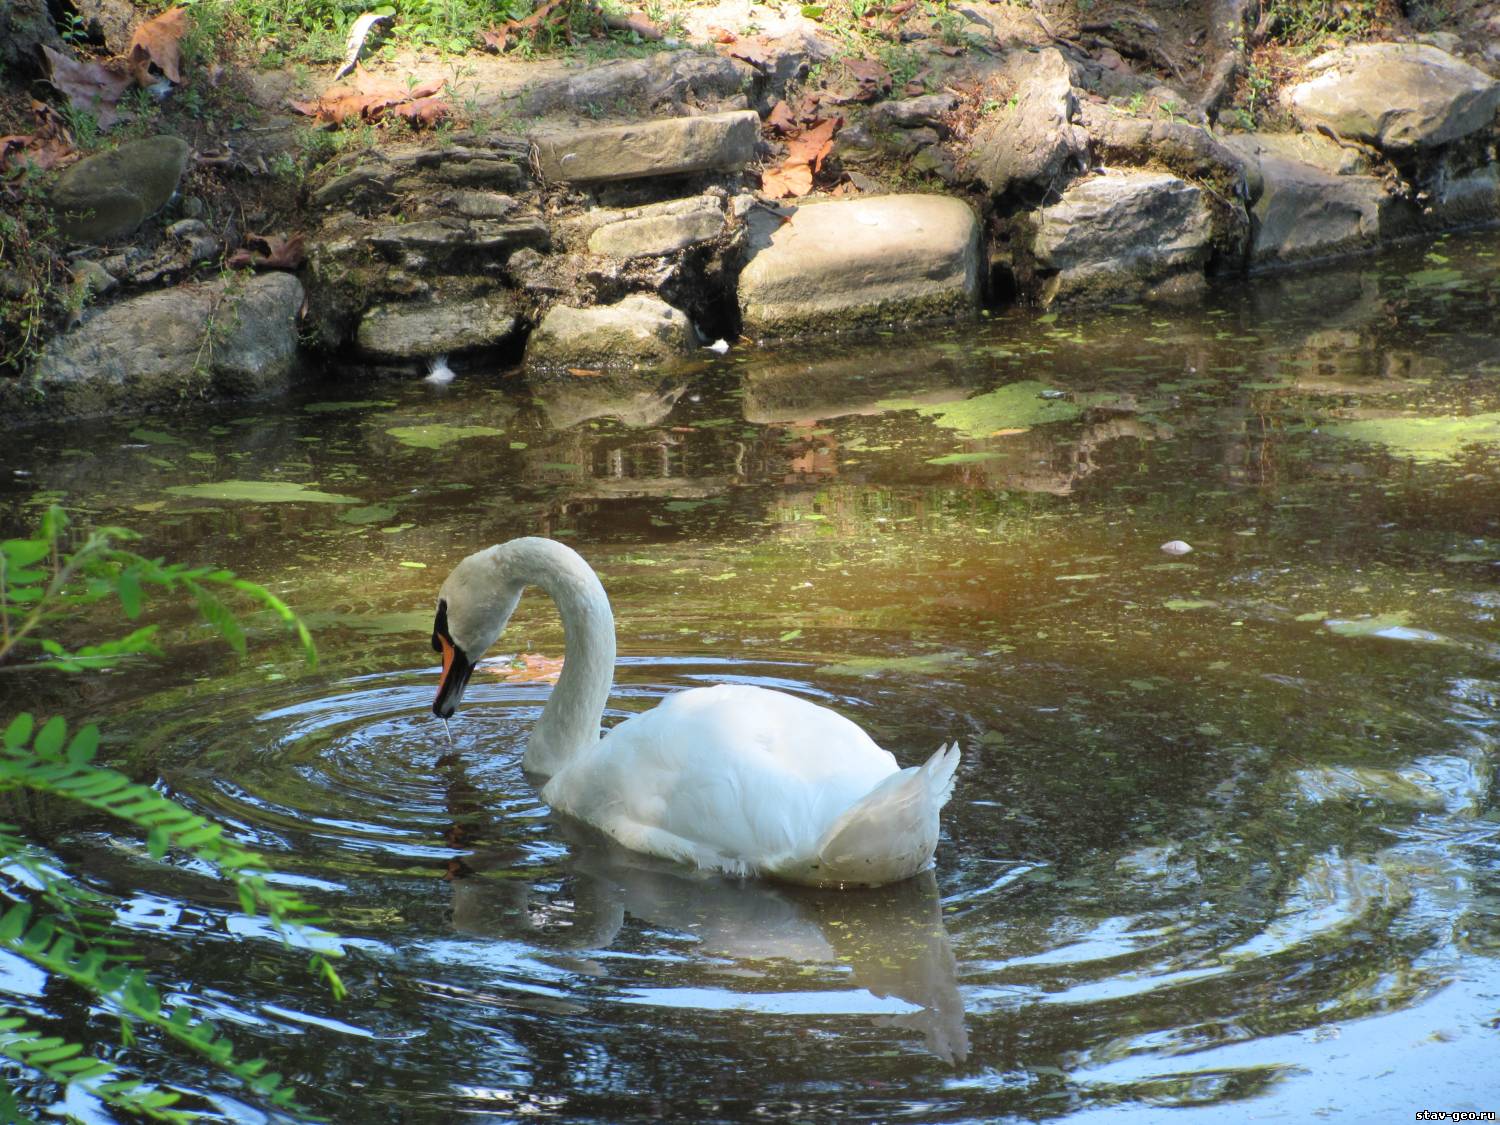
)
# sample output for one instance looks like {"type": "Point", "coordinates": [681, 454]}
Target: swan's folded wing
{"type": "Point", "coordinates": [731, 777]}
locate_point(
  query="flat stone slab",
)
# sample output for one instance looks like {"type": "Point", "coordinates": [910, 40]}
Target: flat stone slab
{"type": "Point", "coordinates": [667, 146]}
{"type": "Point", "coordinates": [637, 330]}
{"type": "Point", "coordinates": [662, 228]}
{"type": "Point", "coordinates": [859, 263]}
{"type": "Point", "coordinates": [1123, 234]}
{"type": "Point", "coordinates": [1397, 96]}
{"type": "Point", "coordinates": [428, 328]}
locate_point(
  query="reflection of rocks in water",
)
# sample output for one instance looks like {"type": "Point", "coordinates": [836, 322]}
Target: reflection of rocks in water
{"type": "Point", "coordinates": [891, 939]}
{"type": "Point", "coordinates": [847, 381]}
{"type": "Point", "coordinates": [569, 400]}
{"type": "Point", "coordinates": [1036, 461]}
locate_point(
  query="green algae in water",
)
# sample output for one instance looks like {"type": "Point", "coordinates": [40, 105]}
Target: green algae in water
{"type": "Point", "coordinates": [260, 492]}
{"type": "Point", "coordinates": [1016, 406]}
{"type": "Point", "coordinates": [367, 513]}
{"type": "Point", "coordinates": [438, 435]}
{"type": "Point", "coordinates": [1423, 439]}
{"type": "Point", "coordinates": [872, 665]}
{"type": "Point", "coordinates": [962, 458]}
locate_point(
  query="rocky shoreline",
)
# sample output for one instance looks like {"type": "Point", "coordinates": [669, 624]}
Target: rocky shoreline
{"type": "Point", "coordinates": [582, 244]}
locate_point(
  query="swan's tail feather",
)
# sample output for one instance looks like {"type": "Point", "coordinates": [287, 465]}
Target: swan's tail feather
{"type": "Point", "coordinates": [891, 832]}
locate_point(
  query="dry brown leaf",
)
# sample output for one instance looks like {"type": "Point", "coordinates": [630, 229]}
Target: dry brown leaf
{"type": "Point", "coordinates": [787, 180]}
{"type": "Point", "coordinates": [633, 22]}
{"type": "Point", "coordinates": [498, 37]}
{"type": "Point", "coordinates": [48, 145]}
{"type": "Point", "coordinates": [525, 668]}
{"type": "Point", "coordinates": [781, 119]}
{"type": "Point", "coordinates": [754, 50]}
{"type": "Point", "coordinates": [158, 41]}
{"type": "Point", "coordinates": [584, 372]}
{"type": "Point", "coordinates": [813, 144]}
{"type": "Point", "coordinates": [88, 85]}
{"type": "Point", "coordinates": [721, 35]}
{"type": "Point", "coordinates": [282, 252]}
{"type": "Point", "coordinates": [370, 97]}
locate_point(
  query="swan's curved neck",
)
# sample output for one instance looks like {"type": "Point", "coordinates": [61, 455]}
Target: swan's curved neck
{"type": "Point", "coordinates": [570, 720]}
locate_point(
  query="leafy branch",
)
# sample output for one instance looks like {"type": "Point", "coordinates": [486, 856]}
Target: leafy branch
{"type": "Point", "coordinates": [40, 584]}
{"type": "Point", "coordinates": [54, 920]}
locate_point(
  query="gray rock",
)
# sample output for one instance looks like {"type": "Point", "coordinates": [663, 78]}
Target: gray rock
{"type": "Point", "coordinates": [912, 113]}
{"type": "Point", "coordinates": [26, 26]}
{"type": "Point", "coordinates": [1184, 148]}
{"type": "Point", "coordinates": [1308, 148]}
{"type": "Point", "coordinates": [638, 330]}
{"type": "Point", "coordinates": [1123, 234]}
{"type": "Point", "coordinates": [110, 194]}
{"type": "Point", "coordinates": [662, 229]}
{"type": "Point", "coordinates": [677, 78]}
{"type": "Point", "coordinates": [92, 279]}
{"type": "Point", "coordinates": [1033, 143]}
{"type": "Point", "coordinates": [483, 204]}
{"type": "Point", "coordinates": [418, 329]}
{"type": "Point", "coordinates": [1304, 211]}
{"type": "Point", "coordinates": [232, 338]}
{"type": "Point", "coordinates": [663, 147]}
{"type": "Point", "coordinates": [860, 262]}
{"type": "Point", "coordinates": [1397, 96]}
{"type": "Point", "coordinates": [442, 245]}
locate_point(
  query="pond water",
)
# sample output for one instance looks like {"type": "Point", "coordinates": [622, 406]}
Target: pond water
{"type": "Point", "coordinates": [1225, 833]}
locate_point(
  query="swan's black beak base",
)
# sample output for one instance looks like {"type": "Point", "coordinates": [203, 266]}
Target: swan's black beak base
{"type": "Point", "coordinates": [457, 667]}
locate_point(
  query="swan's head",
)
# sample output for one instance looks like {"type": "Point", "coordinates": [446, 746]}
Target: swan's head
{"type": "Point", "coordinates": [474, 605]}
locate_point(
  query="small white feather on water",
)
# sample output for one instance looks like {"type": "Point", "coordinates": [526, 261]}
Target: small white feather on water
{"type": "Point", "coordinates": [439, 374]}
{"type": "Point", "coordinates": [718, 347]}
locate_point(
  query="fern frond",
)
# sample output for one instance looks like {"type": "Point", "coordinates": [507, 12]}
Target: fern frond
{"type": "Point", "coordinates": [65, 1063]}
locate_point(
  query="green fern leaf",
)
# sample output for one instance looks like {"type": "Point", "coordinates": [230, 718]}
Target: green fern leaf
{"type": "Point", "coordinates": [50, 739]}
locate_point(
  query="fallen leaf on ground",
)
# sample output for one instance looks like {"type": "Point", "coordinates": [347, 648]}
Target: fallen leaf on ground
{"type": "Point", "coordinates": [424, 111]}
{"type": "Point", "coordinates": [525, 667]}
{"type": "Point", "coordinates": [781, 118]}
{"type": "Point", "coordinates": [281, 252]}
{"type": "Point", "coordinates": [48, 145]}
{"type": "Point", "coordinates": [872, 79]}
{"type": "Point", "coordinates": [88, 85]}
{"type": "Point", "coordinates": [633, 22]}
{"type": "Point", "coordinates": [753, 50]}
{"type": "Point", "coordinates": [369, 99]}
{"type": "Point", "coordinates": [497, 38]}
{"type": "Point", "coordinates": [721, 35]}
{"type": "Point", "coordinates": [584, 372]}
{"type": "Point", "coordinates": [814, 143]}
{"type": "Point", "coordinates": [356, 40]}
{"type": "Point", "coordinates": [788, 179]}
{"type": "Point", "coordinates": [158, 41]}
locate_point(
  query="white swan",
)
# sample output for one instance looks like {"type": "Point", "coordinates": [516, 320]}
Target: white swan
{"type": "Point", "coordinates": [732, 778]}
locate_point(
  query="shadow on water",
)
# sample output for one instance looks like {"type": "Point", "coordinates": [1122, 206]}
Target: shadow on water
{"type": "Point", "coordinates": [1225, 834]}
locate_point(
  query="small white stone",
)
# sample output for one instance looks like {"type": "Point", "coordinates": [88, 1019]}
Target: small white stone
{"type": "Point", "coordinates": [1176, 547]}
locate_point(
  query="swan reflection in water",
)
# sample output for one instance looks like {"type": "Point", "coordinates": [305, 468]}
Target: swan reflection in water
{"type": "Point", "coordinates": [890, 939]}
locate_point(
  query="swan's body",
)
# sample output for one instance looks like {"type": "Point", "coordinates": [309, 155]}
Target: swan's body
{"type": "Point", "coordinates": [732, 778]}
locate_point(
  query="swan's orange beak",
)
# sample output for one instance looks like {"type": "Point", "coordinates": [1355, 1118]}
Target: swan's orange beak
{"type": "Point", "coordinates": [456, 668]}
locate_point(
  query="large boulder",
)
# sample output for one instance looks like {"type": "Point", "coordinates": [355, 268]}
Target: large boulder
{"type": "Point", "coordinates": [859, 262]}
{"type": "Point", "coordinates": [110, 194]}
{"type": "Point", "coordinates": [1303, 210]}
{"type": "Point", "coordinates": [639, 330]}
{"type": "Point", "coordinates": [1397, 96]}
{"type": "Point", "coordinates": [674, 78]}
{"type": "Point", "coordinates": [229, 338]}
{"type": "Point", "coordinates": [666, 146]}
{"type": "Point", "coordinates": [1132, 234]}
{"type": "Point", "coordinates": [1032, 143]}
{"type": "Point", "coordinates": [425, 328]}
